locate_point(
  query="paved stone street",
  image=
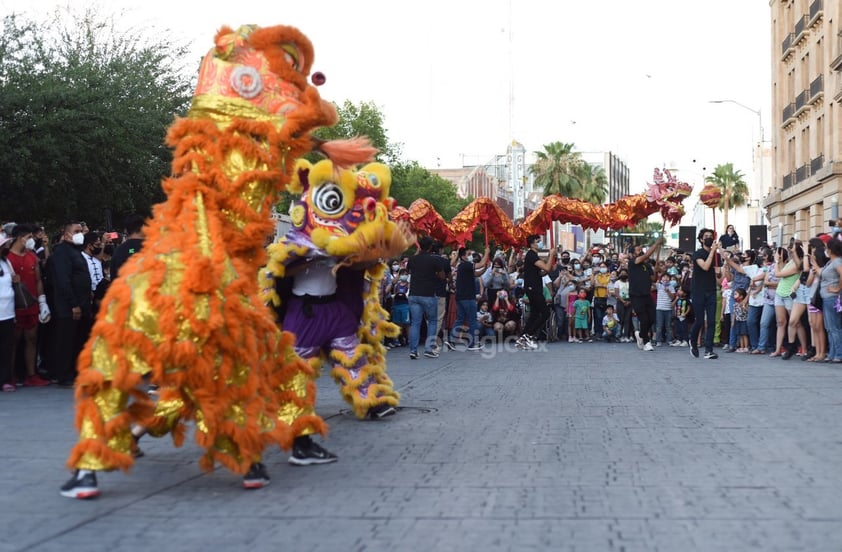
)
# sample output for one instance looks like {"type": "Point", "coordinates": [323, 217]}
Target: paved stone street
{"type": "Point", "coordinates": [578, 447]}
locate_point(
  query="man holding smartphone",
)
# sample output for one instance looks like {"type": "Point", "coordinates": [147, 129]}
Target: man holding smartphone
{"type": "Point", "coordinates": [706, 271]}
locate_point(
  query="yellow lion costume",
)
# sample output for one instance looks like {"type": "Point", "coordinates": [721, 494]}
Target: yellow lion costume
{"type": "Point", "coordinates": [186, 309]}
{"type": "Point", "coordinates": [324, 280]}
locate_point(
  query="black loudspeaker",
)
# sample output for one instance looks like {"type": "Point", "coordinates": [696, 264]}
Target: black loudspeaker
{"type": "Point", "coordinates": [687, 238]}
{"type": "Point", "coordinates": [757, 235]}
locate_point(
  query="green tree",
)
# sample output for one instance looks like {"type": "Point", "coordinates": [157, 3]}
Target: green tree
{"type": "Point", "coordinates": [410, 181]}
{"type": "Point", "coordinates": [84, 109]}
{"type": "Point", "coordinates": [555, 169]}
{"type": "Point", "coordinates": [734, 189]}
{"type": "Point", "coordinates": [364, 119]}
{"type": "Point", "coordinates": [593, 182]}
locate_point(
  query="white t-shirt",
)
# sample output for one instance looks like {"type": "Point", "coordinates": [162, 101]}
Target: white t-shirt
{"type": "Point", "coordinates": [754, 300]}
{"type": "Point", "coordinates": [317, 280]}
{"type": "Point", "coordinates": [7, 294]}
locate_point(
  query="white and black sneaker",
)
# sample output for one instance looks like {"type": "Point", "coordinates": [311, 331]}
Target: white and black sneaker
{"type": "Point", "coordinates": [381, 411]}
{"type": "Point", "coordinates": [694, 349]}
{"type": "Point", "coordinates": [711, 356]}
{"type": "Point", "coordinates": [306, 452]}
{"type": "Point", "coordinates": [450, 346]}
{"type": "Point", "coordinates": [257, 477]}
{"type": "Point", "coordinates": [431, 354]}
{"type": "Point", "coordinates": [638, 339]}
{"type": "Point", "coordinates": [476, 346]}
{"type": "Point", "coordinates": [531, 342]}
{"type": "Point", "coordinates": [81, 485]}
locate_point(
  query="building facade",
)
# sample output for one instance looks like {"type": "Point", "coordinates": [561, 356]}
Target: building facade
{"type": "Point", "coordinates": [806, 116]}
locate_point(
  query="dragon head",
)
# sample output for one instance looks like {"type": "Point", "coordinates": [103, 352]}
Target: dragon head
{"type": "Point", "coordinates": [346, 212]}
{"type": "Point", "coordinates": [668, 193]}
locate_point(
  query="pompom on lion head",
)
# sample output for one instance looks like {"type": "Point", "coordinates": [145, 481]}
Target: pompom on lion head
{"type": "Point", "coordinates": [346, 211]}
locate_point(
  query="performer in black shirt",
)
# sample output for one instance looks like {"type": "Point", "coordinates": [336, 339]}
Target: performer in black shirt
{"type": "Point", "coordinates": [641, 276]}
{"type": "Point", "coordinates": [533, 285]}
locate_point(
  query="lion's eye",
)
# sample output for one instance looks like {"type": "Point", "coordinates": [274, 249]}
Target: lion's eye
{"type": "Point", "coordinates": [329, 199]}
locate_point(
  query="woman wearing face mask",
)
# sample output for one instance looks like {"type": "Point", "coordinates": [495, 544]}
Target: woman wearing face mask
{"type": "Point", "coordinates": [496, 279]}
{"type": "Point", "coordinates": [399, 298]}
{"type": "Point", "coordinates": [25, 264]}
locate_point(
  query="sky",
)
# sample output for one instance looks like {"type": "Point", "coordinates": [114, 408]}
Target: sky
{"type": "Point", "coordinates": [457, 80]}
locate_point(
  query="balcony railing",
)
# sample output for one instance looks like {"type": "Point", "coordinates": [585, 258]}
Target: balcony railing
{"type": "Point", "coordinates": [788, 181]}
{"type": "Point", "coordinates": [815, 11]}
{"type": "Point", "coordinates": [800, 28]}
{"type": "Point", "coordinates": [817, 164]}
{"type": "Point", "coordinates": [788, 113]}
{"type": "Point", "coordinates": [816, 88]}
{"type": "Point", "coordinates": [801, 173]}
{"type": "Point", "coordinates": [786, 46]}
{"type": "Point", "coordinates": [800, 102]}
{"type": "Point", "coordinates": [836, 64]}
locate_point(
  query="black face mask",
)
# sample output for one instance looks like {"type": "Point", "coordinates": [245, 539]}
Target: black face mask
{"type": "Point", "coordinates": [95, 251]}
{"type": "Point", "coordinates": [624, 277]}
{"type": "Point", "coordinates": [565, 260]}
{"type": "Point", "coordinates": [708, 242]}
{"type": "Point", "coordinates": [38, 243]}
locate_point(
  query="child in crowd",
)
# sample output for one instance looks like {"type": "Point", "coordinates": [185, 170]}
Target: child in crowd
{"type": "Point", "coordinates": [505, 314]}
{"type": "Point", "coordinates": [572, 297]}
{"type": "Point", "coordinates": [485, 321]}
{"type": "Point", "coordinates": [741, 319]}
{"type": "Point", "coordinates": [610, 325]}
{"type": "Point", "coordinates": [400, 306]}
{"type": "Point", "coordinates": [663, 311]}
{"type": "Point", "coordinates": [725, 321]}
{"type": "Point", "coordinates": [681, 308]}
{"type": "Point", "coordinates": [582, 310]}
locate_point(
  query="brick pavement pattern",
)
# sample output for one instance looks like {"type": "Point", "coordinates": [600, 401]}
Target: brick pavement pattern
{"type": "Point", "coordinates": [573, 447]}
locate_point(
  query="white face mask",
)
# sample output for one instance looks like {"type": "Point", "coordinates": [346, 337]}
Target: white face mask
{"type": "Point", "coordinates": [30, 243]}
{"type": "Point", "coordinates": [603, 270]}
{"type": "Point", "coordinates": [78, 239]}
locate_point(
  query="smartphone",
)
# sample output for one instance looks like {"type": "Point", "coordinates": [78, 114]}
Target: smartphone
{"type": "Point", "coordinates": [588, 272]}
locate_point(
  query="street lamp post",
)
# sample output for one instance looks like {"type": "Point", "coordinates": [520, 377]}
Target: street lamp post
{"type": "Point", "coordinates": [762, 139]}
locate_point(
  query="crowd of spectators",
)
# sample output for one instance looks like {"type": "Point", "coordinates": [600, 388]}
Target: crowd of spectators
{"type": "Point", "coordinates": [782, 301]}
{"type": "Point", "coordinates": [50, 293]}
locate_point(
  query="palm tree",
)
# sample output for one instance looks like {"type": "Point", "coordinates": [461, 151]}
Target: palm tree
{"type": "Point", "coordinates": [555, 169]}
{"type": "Point", "coordinates": [734, 189]}
{"type": "Point", "coordinates": [594, 183]}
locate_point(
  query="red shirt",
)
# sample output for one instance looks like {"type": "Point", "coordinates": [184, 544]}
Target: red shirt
{"type": "Point", "coordinates": [25, 266]}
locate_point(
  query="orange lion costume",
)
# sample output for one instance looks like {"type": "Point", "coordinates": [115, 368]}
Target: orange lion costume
{"type": "Point", "coordinates": [186, 309]}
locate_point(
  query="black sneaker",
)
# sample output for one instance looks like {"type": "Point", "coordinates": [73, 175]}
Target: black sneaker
{"type": "Point", "coordinates": [694, 350]}
{"type": "Point", "coordinates": [81, 487]}
{"type": "Point", "coordinates": [431, 354]}
{"type": "Point", "coordinates": [136, 451]}
{"type": "Point", "coordinates": [257, 477]}
{"type": "Point", "coordinates": [381, 411]}
{"type": "Point", "coordinates": [306, 452]}
{"type": "Point", "coordinates": [413, 355]}
{"type": "Point", "coordinates": [450, 345]}
{"type": "Point", "coordinates": [711, 356]}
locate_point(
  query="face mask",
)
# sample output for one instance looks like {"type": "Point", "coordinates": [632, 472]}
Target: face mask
{"type": "Point", "coordinates": [565, 260]}
{"type": "Point", "coordinates": [96, 251]}
{"type": "Point", "coordinates": [577, 266]}
{"type": "Point", "coordinates": [540, 245]}
{"type": "Point", "coordinates": [38, 243]}
{"type": "Point", "coordinates": [404, 277]}
{"type": "Point", "coordinates": [624, 277]}
{"type": "Point", "coordinates": [395, 268]}
{"type": "Point", "coordinates": [835, 230]}
{"type": "Point", "coordinates": [597, 260]}
{"type": "Point", "coordinates": [708, 242]}
{"type": "Point", "coordinates": [30, 243]}
{"type": "Point", "coordinates": [78, 239]}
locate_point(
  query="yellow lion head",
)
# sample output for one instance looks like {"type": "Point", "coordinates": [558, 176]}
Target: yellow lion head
{"type": "Point", "coordinates": [346, 211]}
